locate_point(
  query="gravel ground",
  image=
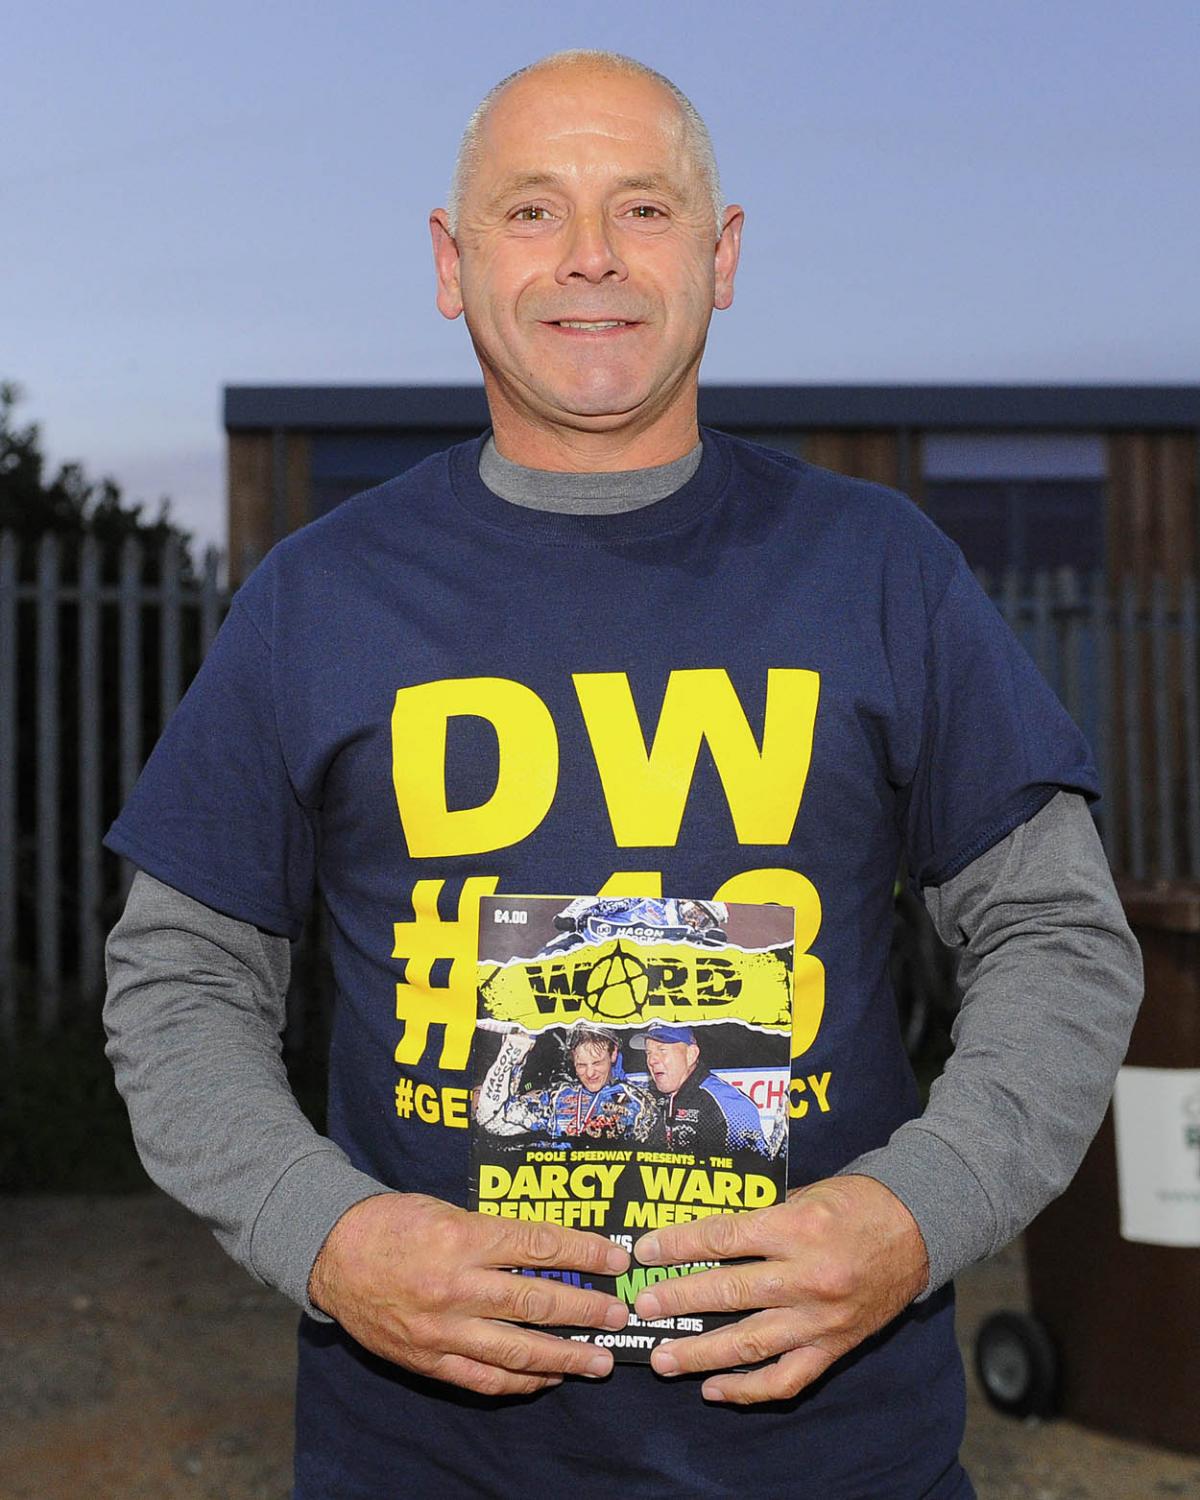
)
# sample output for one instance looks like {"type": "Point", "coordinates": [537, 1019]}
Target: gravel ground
{"type": "Point", "coordinates": [138, 1363]}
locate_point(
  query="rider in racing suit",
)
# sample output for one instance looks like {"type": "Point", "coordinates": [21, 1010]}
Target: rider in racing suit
{"type": "Point", "coordinates": [599, 1102]}
{"type": "Point", "coordinates": [701, 1112]}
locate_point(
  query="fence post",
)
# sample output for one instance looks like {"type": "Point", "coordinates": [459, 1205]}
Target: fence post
{"type": "Point", "coordinates": [130, 626]}
{"type": "Point", "coordinates": [1131, 706]}
{"type": "Point", "coordinates": [91, 943]}
{"type": "Point", "coordinates": [1010, 605]}
{"type": "Point", "coordinates": [1191, 721]}
{"type": "Point", "coordinates": [1162, 728]}
{"type": "Point", "coordinates": [48, 972]}
{"type": "Point", "coordinates": [8, 786]}
{"type": "Point", "coordinates": [1103, 639]}
{"type": "Point", "coordinates": [209, 602]}
{"type": "Point", "coordinates": [168, 630]}
{"type": "Point", "coordinates": [1043, 626]}
{"type": "Point", "coordinates": [1069, 655]}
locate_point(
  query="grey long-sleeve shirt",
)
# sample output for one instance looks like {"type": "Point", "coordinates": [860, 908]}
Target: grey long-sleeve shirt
{"type": "Point", "coordinates": [1051, 976]}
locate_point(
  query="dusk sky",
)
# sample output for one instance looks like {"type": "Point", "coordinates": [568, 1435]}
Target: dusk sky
{"type": "Point", "coordinates": [976, 191]}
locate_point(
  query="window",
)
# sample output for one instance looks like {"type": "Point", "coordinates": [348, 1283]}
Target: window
{"type": "Point", "coordinates": [1023, 501]}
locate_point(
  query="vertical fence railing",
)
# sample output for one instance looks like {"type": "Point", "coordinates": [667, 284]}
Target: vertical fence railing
{"type": "Point", "coordinates": [170, 616]}
{"type": "Point", "coordinates": [91, 936]}
{"type": "Point", "coordinates": [1162, 730]}
{"type": "Point", "coordinates": [46, 775]}
{"type": "Point", "coordinates": [1125, 665]}
{"type": "Point", "coordinates": [210, 602]}
{"type": "Point", "coordinates": [80, 706]}
{"type": "Point", "coordinates": [8, 784]}
{"type": "Point", "coordinates": [129, 599]}
{"type": "Point", "coordinates": [1129, 659]}
{"type": "Point", "coordinates": [1100, 631]}
{"type": "Point", "coordinates": [1190, 671]}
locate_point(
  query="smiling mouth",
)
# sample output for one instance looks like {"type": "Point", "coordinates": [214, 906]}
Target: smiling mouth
{"type": "Point", "coordinates": [592, 327]}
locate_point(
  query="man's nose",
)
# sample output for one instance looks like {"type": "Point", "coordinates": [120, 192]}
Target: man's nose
{"type": "Point", "coordinates": [589, 252]}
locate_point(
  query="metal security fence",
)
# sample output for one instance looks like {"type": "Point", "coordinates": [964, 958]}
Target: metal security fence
{"type": "Point", "coordinates": [96, 649]}
{"type": "Point", "coordinates": [1124, 663]}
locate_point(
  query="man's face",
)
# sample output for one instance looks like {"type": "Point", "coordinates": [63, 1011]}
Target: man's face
{"type": "Point", "coordinates": [585, 206]}
{"type": "Point", "coordinates": [593, 1065]}
{"type": "Point", "coordinates": [670, 1063]}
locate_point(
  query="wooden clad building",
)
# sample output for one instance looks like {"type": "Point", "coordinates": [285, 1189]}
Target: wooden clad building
{"type": "Point", "coordinates": [1023, 477]}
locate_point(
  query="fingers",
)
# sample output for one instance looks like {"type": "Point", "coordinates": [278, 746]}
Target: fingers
{"type": "Point", "coordinates": [779, 1381]}
{"type": "Point", "coordinates": [535, 1299]}
{"type": "Point", "coordinates": [483, 1354]}
{"type": "Point", "coordinates": [767, 1336]}
{"type": "Point", "coordinates": [516, 1242]}
{"type": "Point", "coordinates": [755, 1284]}
{"type": "Point", "coordinates": [717, 1237]}
{"type": "Point", "coordinates": [452, 1292]}
{"type": "Point", "coordinates": [521, 1353]}
{"type": "Point", "coordinates": [749, 1341]}
{"type": "Point", "coordinates": [487, 1380]}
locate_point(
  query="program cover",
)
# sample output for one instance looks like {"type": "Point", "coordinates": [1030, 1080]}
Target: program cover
{"type": "Point", "coordinates": [630, 1070]}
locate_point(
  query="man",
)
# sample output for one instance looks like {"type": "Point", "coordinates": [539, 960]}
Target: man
{"type": "Point", "coordinates": [702, 1112]}
{"type": "Point", "coordinates": [579, 579]}
{"type": "Point", "coordinates": [601, 1103]}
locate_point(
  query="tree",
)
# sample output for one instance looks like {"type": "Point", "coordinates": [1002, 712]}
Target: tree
{"type": "Point", "coordinates": [68, 503]}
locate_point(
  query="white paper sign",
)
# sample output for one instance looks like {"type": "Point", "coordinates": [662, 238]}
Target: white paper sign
{"type": "Point", "coordinates": [1157, 1117]}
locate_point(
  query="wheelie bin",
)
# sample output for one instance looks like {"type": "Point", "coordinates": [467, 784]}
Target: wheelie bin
{"type": "Point", "coordinates": [1113, 1336]}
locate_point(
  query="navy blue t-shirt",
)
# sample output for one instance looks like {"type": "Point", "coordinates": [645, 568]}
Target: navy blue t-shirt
{"type": "Point", "coordinates": [766, 687]}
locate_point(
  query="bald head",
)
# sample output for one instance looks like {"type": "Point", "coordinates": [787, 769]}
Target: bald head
{"type": "Point", "coordinates": [693, 132]}
{"type": "Point", "coordinates": [583, 249]}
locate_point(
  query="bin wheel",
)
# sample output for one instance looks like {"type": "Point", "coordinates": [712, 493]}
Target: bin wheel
{"type": "Point", "coordinates": [1017, 1365]}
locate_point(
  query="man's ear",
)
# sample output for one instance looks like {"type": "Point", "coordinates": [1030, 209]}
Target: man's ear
{"type": "Point", "coordinates": [446, 264]}
{"type": "Point", "coordinates": [729, 247]}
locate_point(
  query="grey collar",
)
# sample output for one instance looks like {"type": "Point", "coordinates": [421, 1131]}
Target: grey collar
{"type": "Point", "coordinates": [584, 494]}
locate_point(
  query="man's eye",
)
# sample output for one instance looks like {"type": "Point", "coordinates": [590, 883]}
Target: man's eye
{"type": "Point", "coordinates": [646, 211]}
{"type": "Point", "coordinates": [530, 213]}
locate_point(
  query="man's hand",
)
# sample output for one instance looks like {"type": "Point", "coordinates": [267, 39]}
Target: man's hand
{"type": "Point", "coordinates": [421, 1283]}
{"type": "Point", "coordinates": [838, 1260]}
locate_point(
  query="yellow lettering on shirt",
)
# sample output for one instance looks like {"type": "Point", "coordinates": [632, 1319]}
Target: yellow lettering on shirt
{"type": "Point", "coordinates": [527, 779]}
{"type": "Point", "coordinates": [646, 793]}
{"type": "Point", "coordinates": [790, 888]}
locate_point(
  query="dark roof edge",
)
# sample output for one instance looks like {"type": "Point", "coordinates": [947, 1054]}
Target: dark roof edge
{"type": "Point", "coordinates": [365, 407]}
